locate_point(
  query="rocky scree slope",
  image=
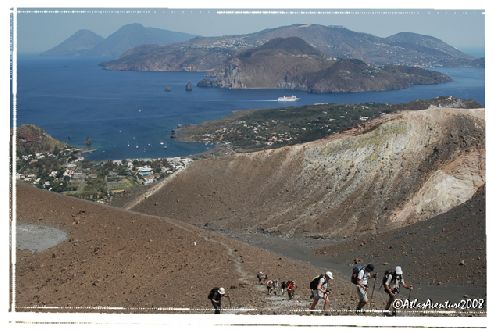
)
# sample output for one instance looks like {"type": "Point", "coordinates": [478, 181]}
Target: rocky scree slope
{"type": "Point", "coordinates": [449, 248]}
{"type": "Point", "coordinates": [117, 258]}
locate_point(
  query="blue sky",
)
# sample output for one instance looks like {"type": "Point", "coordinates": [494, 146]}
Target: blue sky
{"type": "Point", "coordinates": [38, 32]}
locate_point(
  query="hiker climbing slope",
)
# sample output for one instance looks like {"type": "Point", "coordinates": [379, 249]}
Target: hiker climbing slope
{"type": "Point", "coordinates": [288, 286]}
{"type": "Point", "coordinates": [319, 290]}
{"type": "Point", "coordinates": [360, 276]}
{"type": "Point", "coordinates": [391, 282]}
{"type": "Point", "coordinates": [215, 296]}
{"type": "Point", "coordinates": [261, 276]}
{"type": "Point", "coordinates": [291, 286]}
{"type": "Point", "coordinates": [272, 287]}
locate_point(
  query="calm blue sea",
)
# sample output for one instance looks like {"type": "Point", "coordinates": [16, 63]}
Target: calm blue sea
{"type": "Point", "coordinates": [128, 114]}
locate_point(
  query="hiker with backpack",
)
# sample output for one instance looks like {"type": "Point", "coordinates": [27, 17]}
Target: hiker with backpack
{"type": "Point", "coordinates": [359, 277]}
{"type": "Point", "coordinates": [215, 296]}
{"type": "Point", "coordinates": [319, 290]}
{"type": "Point", "coordinates": [283, 287]}
{"type": "Point", "coordinates": [272, 286]}
{"type": "Point", "coordinates": [290, 287]}
{"type": "Point", "coordinates": [392, 281]}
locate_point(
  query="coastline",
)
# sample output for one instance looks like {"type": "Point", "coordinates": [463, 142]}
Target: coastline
{"type": "Point", "coordinates": [259, 129]}
{"type": "Point", "coordinates": [165, 110]}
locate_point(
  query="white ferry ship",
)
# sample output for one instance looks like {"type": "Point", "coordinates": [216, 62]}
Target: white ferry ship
{"type": "Point", "coordinates": [288, 98]}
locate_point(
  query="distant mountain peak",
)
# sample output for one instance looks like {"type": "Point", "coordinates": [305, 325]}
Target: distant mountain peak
{"type": "Point", "coordinates": [132, 25]}
{"type": "Point", "coordinates": [337, 26]}
{"type": "Point", "coordinates": [125, 38]}
{"type": "Point", "coordinates": [76, 44]}
{"type": "Point", "coordinates": [85, 31]}
{"type": "Point", "coordinates": [290, 44]}
{"type": "Point", "coordinates": [420, 42]}
{"type": "Point", "coordinates": [407, 35]}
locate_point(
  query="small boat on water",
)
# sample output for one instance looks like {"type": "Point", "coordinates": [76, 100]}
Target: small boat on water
{"type": "Point", "coordinates": [167, 88]}
{"type": "Point", "coordinates": [288, 98]}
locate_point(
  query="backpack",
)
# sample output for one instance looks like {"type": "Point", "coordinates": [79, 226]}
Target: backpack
{"type": "Point", "coordinates": [211, 295]}
{"type": "Point", "coordinates": [355, 271]}
{"type": "Point", "coordinates": [387, 273]}
{"type": "Point", "coordinates": [314, 283]}
{"type": "Point", "coordinates": [386, 276]}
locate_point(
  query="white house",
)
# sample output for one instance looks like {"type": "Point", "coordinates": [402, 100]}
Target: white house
{"type": "Point", "coordinates": [149, 179]}
{"type": "Point", "coordinates": [145, 171]}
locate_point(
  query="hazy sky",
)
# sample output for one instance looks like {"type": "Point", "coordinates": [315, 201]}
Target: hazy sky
{"type": "Point", "coordinates": [38, 32]}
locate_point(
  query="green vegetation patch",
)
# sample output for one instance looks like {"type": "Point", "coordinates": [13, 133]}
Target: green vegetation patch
{"type": "Point", "coordinates": [121, 185]}
{"type": "Point", "coordinates": [277, 127]}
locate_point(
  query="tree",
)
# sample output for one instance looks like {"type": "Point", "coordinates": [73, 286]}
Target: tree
{"type": "Point", "coordinates": [122, 170]}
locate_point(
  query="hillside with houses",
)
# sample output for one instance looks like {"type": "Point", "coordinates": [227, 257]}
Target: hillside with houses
{"type": "Point", "coordinates": [62, 168]}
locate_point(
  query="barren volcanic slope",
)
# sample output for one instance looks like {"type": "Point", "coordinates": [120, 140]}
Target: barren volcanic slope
{"type": "Point", "coordinates": [117, 258]}
{"type": "Point", "coordinates": [397, 170]}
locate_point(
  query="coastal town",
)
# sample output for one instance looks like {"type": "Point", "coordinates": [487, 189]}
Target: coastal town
{"type": "Point", "coordinates": [66, 170]}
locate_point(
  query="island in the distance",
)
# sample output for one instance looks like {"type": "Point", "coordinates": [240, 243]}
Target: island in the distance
{"type": "Point", "coordinates": [291, 63]}
{"type": "Point", "coordinates": [207, 53]}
